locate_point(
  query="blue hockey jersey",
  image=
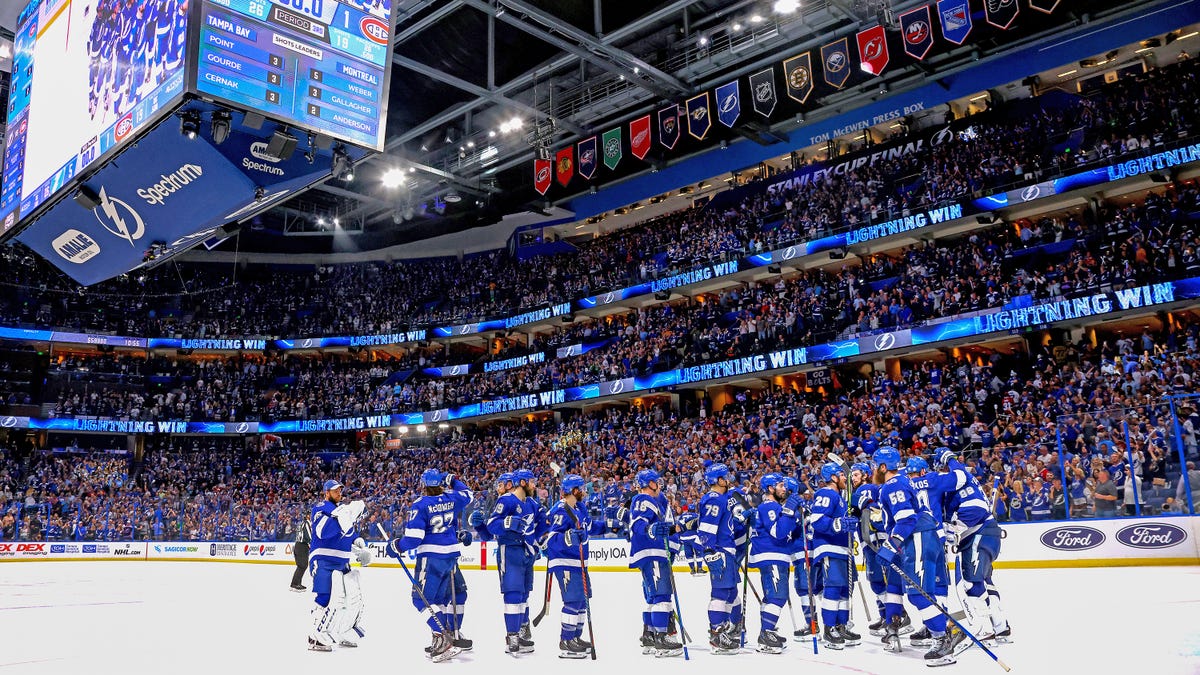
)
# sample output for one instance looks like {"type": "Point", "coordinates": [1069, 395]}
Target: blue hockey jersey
{"type": "Point", "coordinates": [716, 530]}
{"type": "Point", "coordinates": [827, 507]}
{"type": "Point", "coordinates": [330, 543]}
{"type": "Point", "coordinates": [644, 511]}
{"type": "Point", "coordinates": [773, 540]}
{"type": "Point", "coordinates": [432, 527]}
{"type": "Point", "coordinates": [903, 514]}
{"type": "Point", "coordinates": [558, 522]}
{"type": "Point", "coordinates": [524, 514]}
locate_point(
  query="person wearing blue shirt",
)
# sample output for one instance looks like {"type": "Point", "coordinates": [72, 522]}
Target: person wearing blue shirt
{"type": "Point", "coordinates": [478, 519]}
{"type": "Point", "coordinates": [1039, 500]}
{"type": "Point", "coordinates": [431, 533]}
{"type": "Point", "coordinates": [806, 573]}
{"type": "Point", "coordinates": [650, 528]}
{"type": "Point", "coordinates": [338, 612]}
{"type": "Point", "coordinates": [513, 524]}
{"type": "Point", "coordinates": [976, 538]}
{"type": "Point", "coordinates": [864, 505]}
{"type": "Point", "coordinates": [912, 544]}
{"type": "Point", "coordinates": [771, 553]}
{"type": "Point", "coordinates": [833, 535]}
{"type": "Point", "coordinates": [717, 538]}
{"type": "Point", "coordinates": [566, 545]}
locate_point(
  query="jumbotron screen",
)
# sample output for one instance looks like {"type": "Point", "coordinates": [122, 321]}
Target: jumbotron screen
{"type": "Point", "coordinates": [318, 64]}
{"type": "Point", "coordinates": [86, 75]}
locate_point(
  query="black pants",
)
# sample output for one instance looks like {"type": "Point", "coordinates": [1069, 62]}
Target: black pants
{"type": "Point", "coordinates": [301, 553]}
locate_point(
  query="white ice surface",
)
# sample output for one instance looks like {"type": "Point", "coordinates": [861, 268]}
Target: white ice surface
{"type": "Point", "coordinates": [182, 617]}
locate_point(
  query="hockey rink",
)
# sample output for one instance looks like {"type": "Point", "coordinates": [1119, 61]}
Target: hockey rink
{"type": "Point", "coordinates": [185, 617]}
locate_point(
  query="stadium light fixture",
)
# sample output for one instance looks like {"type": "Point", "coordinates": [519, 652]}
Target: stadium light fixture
{"type": "Point", "coordinates": [220, 126]}
{"type": "Point", "coordinates": [756, 19]}
{"type": "Point", "coordinates": [703, 41]}
{"type": "Point", "coordinates": [786, 6]}
{"type": "Point", "coordinates": [189, 123]}
{"type": "Point", "coordinates": [393, 178]}
{"type": "Point", "coordinates": [421, 428]}
{"type": "Point", "coordinates": [5, 50]}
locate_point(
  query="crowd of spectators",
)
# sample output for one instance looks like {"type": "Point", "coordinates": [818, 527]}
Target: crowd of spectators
{"type": "Point", "coordinates": [1114, 246]}
{"type": "Point", "coordinates": [1005, 413]}
{"type": "Point", "coordinates": [1017, 142]}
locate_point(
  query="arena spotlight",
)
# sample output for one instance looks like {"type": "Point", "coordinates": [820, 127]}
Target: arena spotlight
{"type": "Point", "coordinates": [393, 178]}
{"type": "Point", "coordinates": [786, 6]}
{"type": "Point", "coordinates": [189, 123]}
{"type": "Point", "coordinates": [220, 126]}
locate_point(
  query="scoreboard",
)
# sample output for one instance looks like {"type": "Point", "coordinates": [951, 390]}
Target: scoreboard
{"type": "Point", "coordinates": [321, 65]}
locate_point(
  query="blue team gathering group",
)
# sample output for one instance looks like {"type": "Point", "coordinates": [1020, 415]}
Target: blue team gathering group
{"type": "Point", "coordinates": [910, 517]}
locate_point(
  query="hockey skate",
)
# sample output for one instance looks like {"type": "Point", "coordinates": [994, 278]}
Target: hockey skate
{"type": "Point", "coordinates": [573, 649]}
{"type": "Point", "coordinates": [314, 646]}
{"type": "Point", "coordinates": [723, 639]}
{"type": "Point", "coordinates": [442, 648]}
{"type": "Point", "coordinates": [769, 642]}
{"type": "Point", "coordinates": [526, 636]}
{"type": "Point", "coordinates": [299, 588]}
{"type": "Point", "coordinates": [891, 636]}
{"type": "Point", "coordinates": [647, 640]}
{"type": "Point", "coordinates": [906, 625]}
{"type": "Point", "coordinates": [852, 639]}
{"type": "Point", "coordinates": [463, 644]}
{"type": "Point", "coordinates": [512, 644]}
{"type": "Point", "coordinates": [804, 633]}
{"type": "Point", "coordinates": [942, 653]}
{"type": "Point", "coordinates": [877, 628]}
{"type": "Point", "coordinates": [832, 639]}
{"type": "Point", "coordinates": [921, 638]}
{"type": "Point", "coordinates": [666, 646]}
{"type": "Point", "coordinates": [1003, 637]}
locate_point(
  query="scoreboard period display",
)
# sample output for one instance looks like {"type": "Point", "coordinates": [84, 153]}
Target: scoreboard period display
{"type": "Point", "coordinates": [320, 65]}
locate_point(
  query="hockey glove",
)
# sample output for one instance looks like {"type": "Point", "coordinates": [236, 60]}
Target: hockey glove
{"type": "Point", "coordinates": [393, 549]}
{"type": "Point", "coordinates": [890, 550]}
{"type": "Point", "coordinates": [659, 530]}
{"type": "Point", "coordinates": [465, 538]}
{"type": "Point", "coordinates": [476, 519]}
{"type": "Point", "coordinates": [622, 517]}
{"type": "Point", "coordinates": [348, 514]}
{"type": "Point", "coordinates": [362, 553]}
{"type": "Point", "coordinates": [574, 538]}
{"type": "Point", "coordinates": [448, 481]}
{"type": "Point", "coordinates": [792, 506]}
{"type": "Point", "coordinates": [847, 524]}
{"type": "Point", "coordinates": [715, 560]}
{"type": "Point", "coordinates": [514, 524]}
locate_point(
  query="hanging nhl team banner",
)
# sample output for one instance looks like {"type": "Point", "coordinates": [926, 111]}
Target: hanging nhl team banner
{"type": "Point", "coordinates": [639, 137]}
{"type": "Point", "coordinates": [836, 57]}
{"type": "Point", "coordinates": [872, 50]}
{"type": "Point", "coordinates": [915, 25]}
{"type": "Point", "coordinates": [1046, 6]}
{"type": "Point", "coordinates": [729, 103]}
{"type": "Point", "coordinates": [797, 73]}
{"type": "Point", "coordinates": [564, 165]}
{"type": "Point", "coordinates": [541, 175]}
{"type": "Point", "coordinates": [612, 148]}
{"type": "Point", "coordinates": [668, 126]}
{"type": "Point", "coordinates": [762, 92]}
{"type": "Point", "coordinates": [587, 157]}
{"type": "Point", "coordinates": [699, 119]}
{"type": "Point", "coordinates": [1001, 13]}
{"type": "Point", "coordinates": [956, 20]}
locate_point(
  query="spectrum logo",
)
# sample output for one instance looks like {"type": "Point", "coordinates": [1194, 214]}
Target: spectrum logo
{"type": "Point", "coordinates": [375, 30]}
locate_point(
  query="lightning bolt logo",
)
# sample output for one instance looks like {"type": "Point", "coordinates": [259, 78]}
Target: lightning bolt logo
{"type": "Point", "coordinates": [115, 223]}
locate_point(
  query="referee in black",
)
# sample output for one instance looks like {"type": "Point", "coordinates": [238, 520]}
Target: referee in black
{"type": "Point", "coordinates": [300, 551]}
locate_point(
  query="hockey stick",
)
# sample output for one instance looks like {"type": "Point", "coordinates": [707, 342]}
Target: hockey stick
{"type": "Point", "coordinates": [812, 604]}
{"type": "Point", "coordinates": [546, 604]}
{"type": "Point", "coordinates": [587, 602]}
{"type": "Point", "coordinates": [909, 583]}
{"type": "Point", "coordinates": [416, 587]}
{"type": "Point", "coordinates": [745, 584]}
{"type": "Point", "coordinates": [678, 611]}
{"type": "Point", "coordinates": [791, 613]}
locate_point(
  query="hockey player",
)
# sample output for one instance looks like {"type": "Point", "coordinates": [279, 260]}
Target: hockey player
{"type": "Point", "coordinates": [566, 548]}
{"type": "Point", "coordinates": [806, 573]}
{"type": "Point", "coordinates": [976, 537]}
{"type": "Point", "coordinates": [513, 525]}
{"type": "Point", "coordinates": [833, 535]}
{"type": "Point", "coordinates": [771, 554]}
{"type": "Point", "coordinates": [912, 545]}
{"type": "Point", "coordinates": [865, 506]}
{"type": "Point", "coordinates": [431, 533]}
{"type": "Point", "coordinates": [650, 528]}
{"type": "Point", "coordinates": [931, 492]}
{"type": "Point", "coordinates": [337, 616]}
{"type": "Point", "coordinates": [689, 543]}
{"type": "Point", "coordinates": [478, 519]}
{"type": "Point", "coordinates": [717, 537]}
